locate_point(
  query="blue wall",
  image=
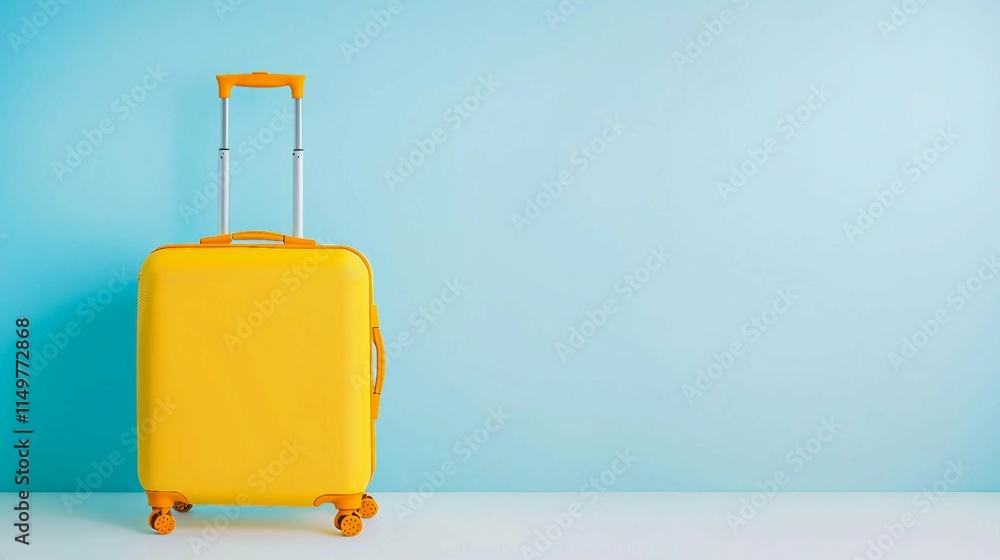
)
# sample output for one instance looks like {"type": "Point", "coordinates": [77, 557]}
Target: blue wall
{"type": "Point", "coordinates": [622, 285]}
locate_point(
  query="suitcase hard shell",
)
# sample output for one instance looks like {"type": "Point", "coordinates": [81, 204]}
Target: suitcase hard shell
{"type": "Point", "coordinates": [254, 368]}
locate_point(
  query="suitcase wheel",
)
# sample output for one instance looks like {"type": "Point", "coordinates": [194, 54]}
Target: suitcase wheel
{"type": "Point", "coordinates": [162, 523]}
{"type": "Point", "coordinates": [369, 507]}
{"type": "Point", "coordinates": [348, 522]}
{"type": "Point", "coordinates": [182, 507]}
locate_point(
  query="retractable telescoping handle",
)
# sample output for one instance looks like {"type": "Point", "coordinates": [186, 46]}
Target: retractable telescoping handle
{"type": "Point", "coordinates": [261, 80]}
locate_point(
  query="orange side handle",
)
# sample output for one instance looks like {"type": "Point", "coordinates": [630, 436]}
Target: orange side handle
{"type": "Point", "coordinates": [261, 80]}
{"type": "Point", "coordinates": [255, 235]}
{"type": "Point", "coordinates": [380, 362]}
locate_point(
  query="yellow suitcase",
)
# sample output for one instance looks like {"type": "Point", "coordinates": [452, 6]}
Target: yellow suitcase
{"type": "Point", "coordinates": [254, 370]}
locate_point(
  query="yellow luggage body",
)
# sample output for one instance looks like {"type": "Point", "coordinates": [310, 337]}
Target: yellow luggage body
{"type": "Point", "coordinates": [255, 374]}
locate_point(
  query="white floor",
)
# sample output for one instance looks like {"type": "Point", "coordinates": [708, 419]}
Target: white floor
{"type": "Point", "coordinates": [512, 526]}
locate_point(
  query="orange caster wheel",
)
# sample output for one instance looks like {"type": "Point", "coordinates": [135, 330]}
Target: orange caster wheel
{"type": "Point", "coordinates": [369, 507]}
{"type": "Point", "coordinates": [162, 523]}
{"type": "Point", "coordinates": [348, 522]}
{"type": "Point", "coordinates": [182, 507]}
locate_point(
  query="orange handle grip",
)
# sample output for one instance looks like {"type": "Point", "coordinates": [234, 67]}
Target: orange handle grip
{"type": "Point", "coordinates": [261, 80]}
{"type": "Point", "coordinates": [255, 235]}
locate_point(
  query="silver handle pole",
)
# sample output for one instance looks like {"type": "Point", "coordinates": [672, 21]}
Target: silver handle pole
{"type": "Point", "coordinates": [224, 171]}
{"type": "Point", "coordinates": [297, 155]}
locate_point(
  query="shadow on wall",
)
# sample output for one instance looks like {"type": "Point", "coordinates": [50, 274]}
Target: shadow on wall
{"type": "Point", "coordinates": [195, 167]}
{"type": "Point", "coordinates": [83, 390]}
